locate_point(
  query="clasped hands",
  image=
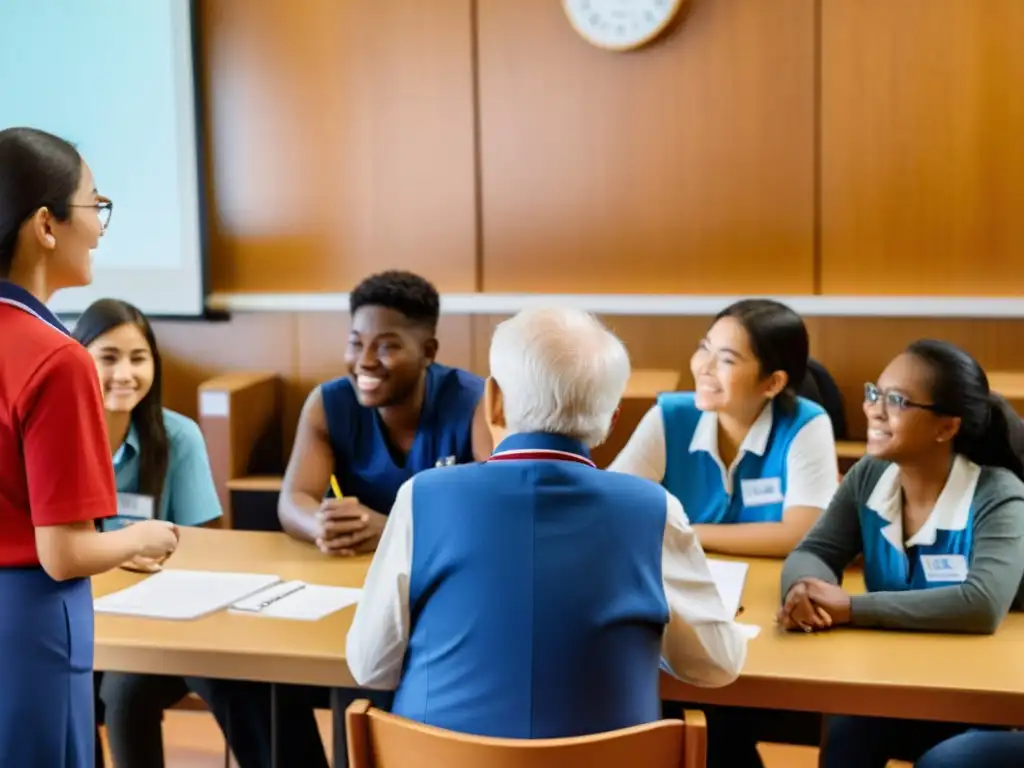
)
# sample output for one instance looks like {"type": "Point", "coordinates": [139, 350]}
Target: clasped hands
{"type": "Point", "coordinates": [346, 527]}
{"type": "Point", "coordinates": [813, 605]}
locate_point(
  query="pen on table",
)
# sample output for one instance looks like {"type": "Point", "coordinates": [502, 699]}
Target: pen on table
{"type": "Point", "coordinates": [335, 488]}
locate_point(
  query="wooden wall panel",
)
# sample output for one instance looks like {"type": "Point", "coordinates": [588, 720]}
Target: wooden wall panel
{"type": "Point", "coordinates": [193, 352]}
{"type": "Point", "coordinates": [341, 138]}
{"type": "Point", "coordinates": [922, 159]}
{"type": "Point", "coordinates": [683, 167]}
{"type": "Point", "coordinates": [855, 350]}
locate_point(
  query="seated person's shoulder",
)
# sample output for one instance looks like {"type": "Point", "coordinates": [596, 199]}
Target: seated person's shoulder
{"type": "Point", "coordinates": [865, 474]}
{"type": "Point", "coordinates": [457, 383]}
{"type": "Point", "coordinates": [997, 486]}
{"type": "Point", "coordinates": [808, 409]}
{"type": "Point", "coordinates": [337, 387]}
{"type": "Point", "coordinates": [182, 432]}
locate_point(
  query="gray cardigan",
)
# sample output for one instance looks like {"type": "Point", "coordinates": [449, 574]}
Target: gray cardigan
{"type": "Point", "coordinates": [978, 605]}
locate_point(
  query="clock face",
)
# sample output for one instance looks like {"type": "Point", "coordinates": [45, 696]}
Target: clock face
{"type": "Point", "coordinates": [620, 24]}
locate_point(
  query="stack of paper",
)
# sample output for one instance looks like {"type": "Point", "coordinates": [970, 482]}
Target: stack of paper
{"type": "Point", "coordinates": [173, 594]}
{"type": "Point", "coordinates": [298, 600]}
{"type": "Point", "coordinates": [729, 577]}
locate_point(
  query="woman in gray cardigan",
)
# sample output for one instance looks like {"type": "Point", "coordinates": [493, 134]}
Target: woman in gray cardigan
{"type": "Point", "coordinates": [937, 511]}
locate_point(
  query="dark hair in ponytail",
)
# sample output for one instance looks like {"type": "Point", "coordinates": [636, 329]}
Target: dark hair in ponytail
{"type": "Point", "coordinates": [991, 434]}
{"type": "Point", "coordinates": [102, 317]}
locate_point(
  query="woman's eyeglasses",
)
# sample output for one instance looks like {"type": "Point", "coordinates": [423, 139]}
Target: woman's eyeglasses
{"type": "Point", "coordinates": [103, 207]}
{"type": "Point", "coordinates": [894, 400]}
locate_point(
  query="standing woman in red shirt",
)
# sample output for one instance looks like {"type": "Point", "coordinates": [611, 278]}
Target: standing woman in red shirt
{"type": "Point", "coordinates": [56, 479]}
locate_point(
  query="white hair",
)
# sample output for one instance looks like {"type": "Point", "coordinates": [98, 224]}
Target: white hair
{"type": "Point", "coordinates": [560, 371]}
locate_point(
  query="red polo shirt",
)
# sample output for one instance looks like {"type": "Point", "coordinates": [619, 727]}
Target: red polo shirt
{"type": "Point", "coordinates": [55, 465]}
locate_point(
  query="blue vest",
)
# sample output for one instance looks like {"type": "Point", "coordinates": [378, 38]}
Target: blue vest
{"type": "Point", "coordinates": [536, 597]}
{"type": "Point", "coordinates": [936, 556]}
{"type": "Point", "coordinates": [698, 481]}
{"type": "Point", "coordinates": [362, 461]}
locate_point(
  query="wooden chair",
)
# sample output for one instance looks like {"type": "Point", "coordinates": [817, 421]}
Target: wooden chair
{"type": "Point", "coordinates": [377, 739]}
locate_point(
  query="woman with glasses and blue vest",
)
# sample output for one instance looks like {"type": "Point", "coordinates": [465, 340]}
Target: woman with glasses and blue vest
{"type": "Point", "coordinates": [56, 480]}
{"type": "Point", "coordinates": [936, 509]}
{"type": "Point", "coordinates": [754, 467]}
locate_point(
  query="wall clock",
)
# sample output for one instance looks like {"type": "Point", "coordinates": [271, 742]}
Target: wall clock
{"type": "Point", "coordinates": [621, 25]}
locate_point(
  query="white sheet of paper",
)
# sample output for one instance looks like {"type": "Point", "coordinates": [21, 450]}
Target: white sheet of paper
{"type": "Point", "coordinates": [183, 595]}
{"type": "Point", "coordinates": [298, 601]}
{"type": "Point", "coordinates": [729, 576]}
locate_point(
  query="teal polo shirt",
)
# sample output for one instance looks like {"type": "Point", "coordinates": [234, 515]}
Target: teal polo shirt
{"type": "Point", "coordinates": [189, 495]}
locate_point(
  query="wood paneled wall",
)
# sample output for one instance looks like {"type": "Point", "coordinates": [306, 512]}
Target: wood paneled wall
{"type": "Point", "coordinates": [782, 146]}
{"type": "Point", "coordinates": [922, 161]}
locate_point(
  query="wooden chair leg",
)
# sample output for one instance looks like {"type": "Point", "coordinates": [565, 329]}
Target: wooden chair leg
{"type": "Point", "coordinates": [695, 739]}
{"type": "Point", "coordinates": [358, 726]}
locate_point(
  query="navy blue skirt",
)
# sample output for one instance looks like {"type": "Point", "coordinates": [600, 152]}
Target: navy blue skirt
{"type": "Point", "coordinates": [46, 655]}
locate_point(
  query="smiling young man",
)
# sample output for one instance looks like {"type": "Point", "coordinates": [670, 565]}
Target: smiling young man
{"type": "Point", "coordinates": [396, 413]}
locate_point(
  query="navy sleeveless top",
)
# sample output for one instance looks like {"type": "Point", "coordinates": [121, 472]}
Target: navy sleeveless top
{"type": "Point", "coordinates": [362, 461]}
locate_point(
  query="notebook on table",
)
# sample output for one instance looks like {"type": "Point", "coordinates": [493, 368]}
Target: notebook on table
{"type": "Point", "coordinates": [183, 595]}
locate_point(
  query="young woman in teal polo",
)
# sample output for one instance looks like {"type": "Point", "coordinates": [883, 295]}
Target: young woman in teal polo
{"type": "Point", "coordinates": [162, 471]}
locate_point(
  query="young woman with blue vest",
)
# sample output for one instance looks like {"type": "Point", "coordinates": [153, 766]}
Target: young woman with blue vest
{"type": "Point", "coordinates": [754, 467]}
{"type": "Point", "coordinates": [55, 478]}
{"type": "Point", "coordinates": [753, 464]}
{"type": "Point", "coordinates": [936, 509]}
{"type": "Point", "coordinates": [162, 471]}
{"type": "Point", "coordinates": [396, 413]}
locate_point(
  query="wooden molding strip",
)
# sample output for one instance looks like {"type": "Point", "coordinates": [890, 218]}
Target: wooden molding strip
{"type": "Point", "coordinates": [679, 305]}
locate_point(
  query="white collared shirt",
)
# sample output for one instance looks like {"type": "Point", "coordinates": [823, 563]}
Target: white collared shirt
{"type": "Point", "coordinates": [702, 644]}
{"type": "Point", "coordinates": [952, 510]}
{"type": "Point", "coordinates": [812, 469]}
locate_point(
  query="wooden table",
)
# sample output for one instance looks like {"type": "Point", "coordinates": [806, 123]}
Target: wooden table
{"type": "Point", "coordinates": [938, 677]}
{"type": "Point", "coordinates": [225, 645]}
{"type": "Point", "coordinates": [963, 678]}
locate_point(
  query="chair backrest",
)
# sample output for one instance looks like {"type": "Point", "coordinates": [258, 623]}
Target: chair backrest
{"type": "Point", "coordinates": [377, 739]}
{"type": "Point", "coordinates": [820, 387]}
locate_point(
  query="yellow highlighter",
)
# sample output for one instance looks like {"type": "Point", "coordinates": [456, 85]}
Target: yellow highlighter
{"type": "Point", "coordinates": [335, 488]}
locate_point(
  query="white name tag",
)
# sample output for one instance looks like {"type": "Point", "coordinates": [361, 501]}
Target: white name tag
{"type": "Point", "coordinates": [950, 569]}
{"type": "Point", "coordinates": [135, 506]}
{"type": "Point", "coordinates": [764, 490]}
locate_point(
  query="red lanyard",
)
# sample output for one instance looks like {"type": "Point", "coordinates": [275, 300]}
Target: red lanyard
{"type": "Point", "coordinates": [532, 454]}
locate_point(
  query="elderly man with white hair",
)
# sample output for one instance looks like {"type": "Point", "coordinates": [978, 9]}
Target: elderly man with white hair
{"type": "Point", "coordinates": [533, 595]}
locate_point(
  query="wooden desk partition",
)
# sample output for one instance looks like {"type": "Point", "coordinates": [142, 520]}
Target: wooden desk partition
{"type": "Point", "coordinates": [1009, 384]}
{"type": "Point", "coordinates": [641, 393]}
{"type": "Point", "coordinates": [240, 415]}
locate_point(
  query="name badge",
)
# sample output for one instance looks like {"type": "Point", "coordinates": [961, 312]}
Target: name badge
{"type": "Point", "coordinates": [135, 506]}
{"type": "Point", "coordinates": [762, 491]}
{"type": "Point", "coordinates": [949, 569]}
